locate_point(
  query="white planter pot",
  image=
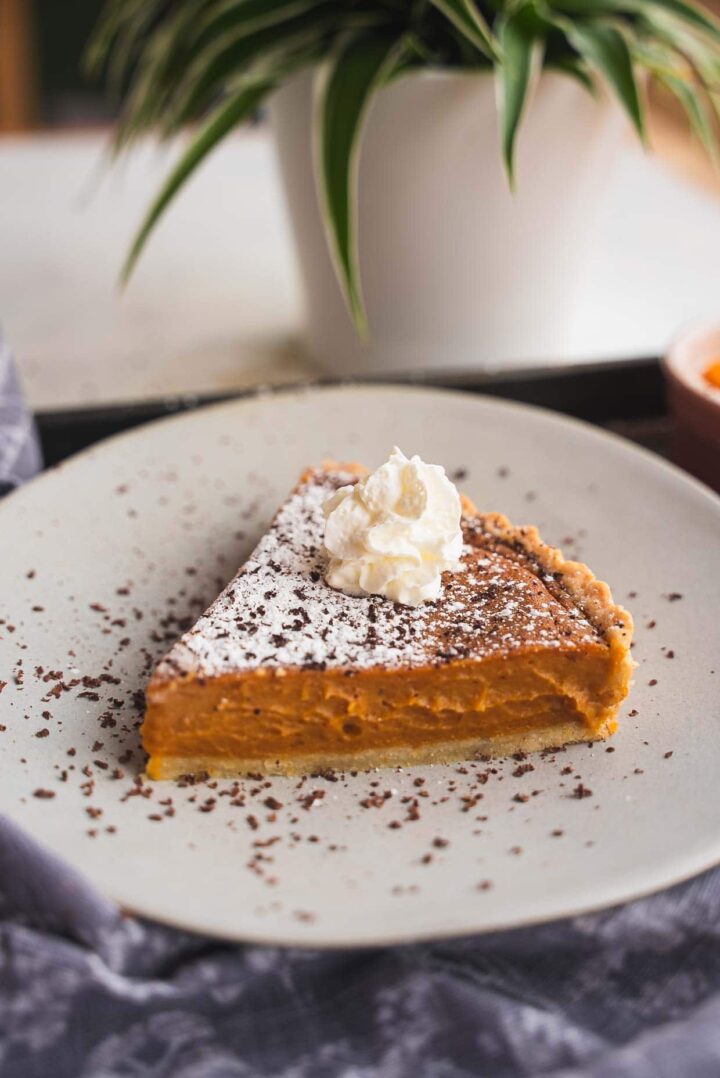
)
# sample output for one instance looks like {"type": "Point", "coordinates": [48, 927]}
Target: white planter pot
{"type": "Point", "coordinates": [456, 271]}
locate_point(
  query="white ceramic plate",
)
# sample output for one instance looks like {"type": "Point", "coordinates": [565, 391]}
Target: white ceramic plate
{"type": "Point", "coordinates": [101, 558]}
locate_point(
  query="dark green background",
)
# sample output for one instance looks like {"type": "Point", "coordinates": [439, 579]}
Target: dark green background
{"type": "Point", "coordinates": [61, 30]}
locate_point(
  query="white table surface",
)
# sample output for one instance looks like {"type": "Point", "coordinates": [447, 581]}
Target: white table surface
{"type": "Point", "coordinates": [215, 303]}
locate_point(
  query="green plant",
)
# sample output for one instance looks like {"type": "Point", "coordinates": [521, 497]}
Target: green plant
{"type": "Point", "coordinates": [177, 62]}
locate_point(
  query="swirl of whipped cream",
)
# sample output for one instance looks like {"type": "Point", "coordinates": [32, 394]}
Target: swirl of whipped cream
{"type": "Point", "coordinates": [394, 532]}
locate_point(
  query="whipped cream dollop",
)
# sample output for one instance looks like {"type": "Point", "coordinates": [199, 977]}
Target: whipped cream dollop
{"type": "Point", "coordinates": [394, 532]}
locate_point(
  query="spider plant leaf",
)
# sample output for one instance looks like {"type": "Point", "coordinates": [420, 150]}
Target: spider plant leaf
{"type": "Point", "coordinates": [465, 15]}
{"type": "Point", "coordinates": [692, 14]}
{"type": "Point", "coordinates": [703, 57]}
{"type": "Point", "coordinates": [699, 18]}
{"type": "Point", "coordinates": [344, 88]}
{"type": "Point", "coordinates": [521, 53]}
{"type": "Point", "coordinates": [131, 45]}
{"type": "Point", "coordinates": [575, 69]}
{"type": "Point", "coordinates": [162, 66]}
{"type": "Point", "coordinates": [681, 76]}
{"type": "Point", "coordinates": [233, 111]}
{"type": "Point", "coordinates": [158, 58]}
{"type": "Point", "coordinates": [119, 18]}
{"type": "Point", "coordinates": [606, 51]}
{"type": "Point", "coordinates": [116, 42]}
{"type": "Point", "coordinates": [209, 72]}
{"type": "Point", "coordinates": [694, 109]}
{"type": "Point", "coordinates": [180, 77]}
{"type": "Point", "coordinates": [251, 15]}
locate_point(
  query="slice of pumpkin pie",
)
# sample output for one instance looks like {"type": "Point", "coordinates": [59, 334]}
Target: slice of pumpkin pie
{"type": "Point", "coordinates": [382, 620]}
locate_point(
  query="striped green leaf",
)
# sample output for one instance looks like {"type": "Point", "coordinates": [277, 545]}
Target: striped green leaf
{"type": "Point", "coordinates": [249, 15]}
{"type": "Point", "coordinates": [693, 15]}
{"type": "Point", "coordinates": [575, 69]}
{"type": "Point", "coordinates": [465, 15]}
{"type": "Point", "coordinates": [694, 110]}
{"type": "Point", "coordinates": [345, 86]}
{"type": "Point", "coordinates": [606, 51]}
{"type": "Point", "coordinates": [520, 58]}
{"type": "Point", "coordinates": [119, 37]}
{"type": "Point", "coordinates": [234, 53]}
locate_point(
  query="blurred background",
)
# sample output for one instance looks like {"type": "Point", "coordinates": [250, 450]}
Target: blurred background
{"type": "Point", "coordinates": [41, 44]}
{"type": "Point", "coordinates": [213, 309]}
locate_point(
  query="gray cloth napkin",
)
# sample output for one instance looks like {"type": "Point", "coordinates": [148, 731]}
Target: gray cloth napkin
{"type": "Point", "coordinates": [19, 447]}
{"type": "Point", "coordinates": [88, 991]}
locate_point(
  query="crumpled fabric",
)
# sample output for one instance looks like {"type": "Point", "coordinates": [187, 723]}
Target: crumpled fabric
{"type": "Point", "coordinates": [19, 447]}
{"type": "Point", "coordinates": [88, 991]}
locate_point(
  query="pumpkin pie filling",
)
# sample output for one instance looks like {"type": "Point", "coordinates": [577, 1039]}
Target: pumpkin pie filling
{"type": "Point", "coordinates": [282, 674]}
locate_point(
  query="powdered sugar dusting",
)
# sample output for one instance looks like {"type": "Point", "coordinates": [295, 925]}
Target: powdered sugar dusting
{"type": "Point", "coordinates": [279, 612]}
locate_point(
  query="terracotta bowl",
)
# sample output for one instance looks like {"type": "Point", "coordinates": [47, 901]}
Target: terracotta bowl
{"type": "Point", "coordinates": [695, 402]}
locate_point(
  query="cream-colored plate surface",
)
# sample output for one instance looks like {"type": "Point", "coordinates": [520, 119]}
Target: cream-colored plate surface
{"type": "Point", "coordinates": [105, 559]}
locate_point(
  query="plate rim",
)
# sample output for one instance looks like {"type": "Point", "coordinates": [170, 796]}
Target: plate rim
{"type": "Point", "coordinates": [688, 868]}
{"type": "Point", "coordinates": [272, 393]}
{"type": "Point", "coordinates": [309, 942]}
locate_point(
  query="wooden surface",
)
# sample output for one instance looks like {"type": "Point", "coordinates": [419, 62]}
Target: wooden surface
{"type": "Point", "coordinates": [18, 93]}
